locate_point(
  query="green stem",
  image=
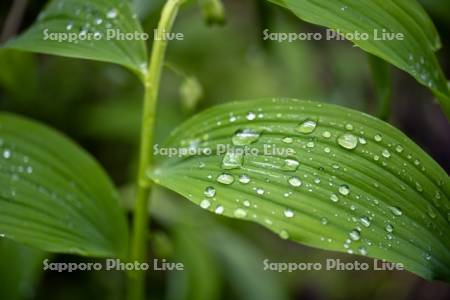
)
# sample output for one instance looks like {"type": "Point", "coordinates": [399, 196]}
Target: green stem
{"type": "Point", "coordinates": [381, 73]}
{"type": "Point", "coordinates": [136, 280]}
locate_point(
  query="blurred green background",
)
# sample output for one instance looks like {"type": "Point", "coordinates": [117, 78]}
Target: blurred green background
{"type": "Point", "coordinates": [99, 105]}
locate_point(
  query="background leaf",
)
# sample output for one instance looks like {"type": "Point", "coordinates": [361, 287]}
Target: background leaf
{"type": "Point", "coordinates": [414, 54]}
{"type": "Point", "coordinates": [91, 20]}
{"type": "Point", "coordinates": [53, 195]}
{"type": "Point", "coordinates": [355, 184]}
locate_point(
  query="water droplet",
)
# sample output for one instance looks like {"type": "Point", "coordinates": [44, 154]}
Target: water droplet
{"type": "Point", "coordinates": [355, 234]}
{"type": "Point", "coordinates": [98, 21]}
{"type": "Point", "coordinates": [251, 116]}
{"type": "Point", "coordinates": [348, 141]}
{"type": "Point", "coordinates": [205, 204]}
{"type": "Point", "coordinates": [112, 13]}
{"type": "Point", "coordinates": [244, 179]}
{"type": "Point", "coordinates": [240, 213]}
{"type": "Point", "coordinates": [362, 140]}
{"type": "Point", "coordinates": [243, 137]}
{"type": "Point", "coordinates": [209, 192]}
{"type": "Point", "coordinates": [260, 191]}
{"type": "Point", "coordinates": [290, 165]}
{"type": "Point", "coordinates": [284, 234]}
{"type": "Point", "coordinates": [362, 250]}
{"type": "Point", "coordinates": [419, 187]}
{"type": "Point", "coordinates": [307, 126]}
{"type": "Point", "coordinates": [225, 178]}
{"type": "Point", "coordinates": [378, 138]}
{"type": "Point", "coordinates": [219, 210]}
{"type": "Point", "coordinates": [327, 150]}
{"type": "Point", "coordinates": [334, 198]}
{"type": "Point", "coordinates": [396, 210]}
{"type": "Point", "coordinates": [349, 126]}
{"type": "Point", "coordinates": [326, 134]}
{"type": "Point", "coordinates": [389, 228]}
{"type": "Point", "coordinates": [232, 159]}
{"type": "Point", "coordinates": [6, 153]}
{"type": "Point", "coordinates": [295, 181]}
{"type": "Point", "coordinates": [386, 153]}
{"type": "Point", "coordinates": [288, 140]}
{"type": "Point", "coordinates": [344, 189]}
{"type": "Point", "coordinates": [399, 148]}
{"type": "Point", "coordinates": [288, 213]}
{"type": "Point", "coordinates": [324, 221]}
{"type": "Point", "coordinates": [69, 26]}
{"type": "Point", "coordinates": [365, 221]}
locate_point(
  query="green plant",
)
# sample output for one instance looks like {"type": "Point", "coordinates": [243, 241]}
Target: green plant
{"type": "Point", "coordinates": [353, 183]}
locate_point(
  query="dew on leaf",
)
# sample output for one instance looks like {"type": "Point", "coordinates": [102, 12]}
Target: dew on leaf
{"type": "Point", "coordinates": [378, 138]}
{"type": "Point", "coordinates": [244, 179]}
{"type": "Point", "coordinates": [365, 221]}
{"type": "Point", "coordinates": [209, 192]}
{"type": "Point", "coordinates": [295, 181]}
{"type": "Point", "coordinates": [240, 213]}
{"type": "Point", "coordinates": [290, 165]}
{"type": "Point", "coordinates": [386, 153]}
{"type": "Point", "coordinates": [260, 191]}
{"type": "Point", "coordinates": [348, 141]}
{"type": "Point", "coordinates": [396, 210]}
{"type": "Point", "coordinates": [287, 140]}
{"type": "Point", "coordinates": [112, 13]}
{"type": "Point", "coordinates": [6, 153]}
{"type": "Point", "coordinates": [219, 210]}
{"type": "Point", "coordinates": [334, 198]}
{"type": "Point", "coordinates": [326, 134]}
{"type": "Point", "coordinates": [355, 234]}
{"type": "Point", "coordinates": [389, 228]}
{"type": "Point", "coordinates": [307, 126]}
{"type": "Point", "coordinates": [399, 148]}
{"type": "Point", "coordinates": [243, 137]}
{"type": "Point", "coordinates": [288, 213]}
{"type": "Point", "coordinates": [225, 178]}
{"type": "Point", "coordinates": [344, 189]}
{"type": "Point", "coordinates": [232, 160]}
{"type": "Point", "coordinates": [284, 234]}
{"type": "Point", "coordinates": [251, 116]}
{"type": "Point", "coordinates": [362, 250]}
{"type": "Point", "coordinates": [349, 127]}
{"type": "Point", "coordinates": [323, 221]}
{"type": "Point", "coordinates": [205, 204]}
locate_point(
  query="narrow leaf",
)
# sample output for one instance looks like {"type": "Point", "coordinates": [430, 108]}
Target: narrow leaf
{"type": "Point", "coordinates": [413, 54]}
{"type": "Point", "coordinates": [318, 174]}
{"type": "Point", "coordinates": [53, 195]}
{"type": "Point", "coordinates": [382, 81]}
{"type": "Point", "coordinates": [87, 29]}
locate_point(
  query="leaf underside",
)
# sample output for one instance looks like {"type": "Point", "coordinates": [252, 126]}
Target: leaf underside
{"type": "Point", "coordinates": [93, 20]}
{"type": "Point", "coordinates": [53, 195]}
{"type": "Point", "coordinates": [354, 183]}
{"type": "Point", "coordinates": [414, 54]}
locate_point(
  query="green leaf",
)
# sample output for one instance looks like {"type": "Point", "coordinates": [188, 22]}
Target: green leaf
{"type": "Point", "coordinates": [382, 79]}
{"type": "Point", "coordinates": [353, 184]}
{"type": "Point", "coordinates": [414, 54]}
{"type": "Point", "coordinates": [53, 195]}
{"type": "Point", "coordinates": [80, 28]}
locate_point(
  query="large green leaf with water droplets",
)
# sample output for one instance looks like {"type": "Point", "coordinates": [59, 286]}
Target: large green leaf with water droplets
{"type": "Point", "coordinates": [53, 195]}
{"type": "Point", "coordinates": [318, 174]}
{"type": "Point", "coordinates": [87, 29]}
{"type": "Point", "coordinates": [414, 54]}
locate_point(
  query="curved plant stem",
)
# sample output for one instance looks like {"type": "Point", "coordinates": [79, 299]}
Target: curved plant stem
{"type": "Point", "coordinates": [136, 280]}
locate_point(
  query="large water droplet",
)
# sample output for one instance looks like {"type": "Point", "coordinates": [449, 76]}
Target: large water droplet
{"type": "Point", "coordinates": [240, 213]}
{"type": "Point", "coordinates": [251, 116]}
{"type": "Point", "coordinates": [112, 13]}
{"type": "Point", "coordinates": [225, 178]}
{"type": "Point", "coordinates": [389, 228]}
{"type": "Point", "coordinates": [243, 137]}
{"type": "Point", "coordinates": [232, 159]}
{"type": "Point", "coordinates": [295, 181]}
{"type": "Point", "coordinates": [355, 234]}
{"type": "Point", "coordinates": [348, 141]}
{"type": "Point", "coordinates": [344, 189]}
{"type": "Point", "coordinates": [209, 192]}
{"type": "Point", "coordinates": [307, 126]}
{"type": "Point", "coordinates": [396, 210]}
{"type": "Point", "coordinates": [334, 198]}
{"type": "Point", "coordinates": [287, 140]}
{"type": "Point", "coordinates": [290, 165]}
{"type": "Point", "coordinates": [205, 204]}
{"type": "Point", "coordinates": [244, 179]}
{"type": "Point", "coordinates": [288, 213]}
{"type": "Point", "coordinates": [284, 234]}
{"type": "Point", "coordinates": [365, 221]}
{"type": "Point", "coordinates": [386, 153]}
{"type": "Point", "coordinates": [378, 138]}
